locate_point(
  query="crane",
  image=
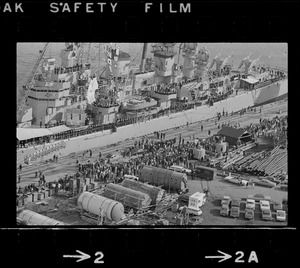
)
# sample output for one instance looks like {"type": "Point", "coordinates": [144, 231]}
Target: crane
{"type": "Point", "coordinates": [31, 76]}
{"type": "Point", "coordinates": [254, 62]}
{"type": "Point", "coordinates": [244, 60]}
{"type": "Point", "coordinates": [214, 60]}
{"type": "Point", "coordinates": [24, 90]}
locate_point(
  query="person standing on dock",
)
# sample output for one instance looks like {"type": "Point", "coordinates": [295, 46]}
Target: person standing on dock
{"type": "Point", "coordinates": [20, 167]}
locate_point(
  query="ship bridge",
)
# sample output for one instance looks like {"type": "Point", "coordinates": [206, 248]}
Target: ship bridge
{"type": "Point", "coordinates": [248, 83]}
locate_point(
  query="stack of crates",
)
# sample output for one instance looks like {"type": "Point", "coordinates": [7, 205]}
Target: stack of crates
{"type": "Point", "coordinates": [41, 196]}
{"type": "Point", "coordinates": [34, 197]}
{"type": "Point", "coordinates": [28, 199]}
{"type": "Point", "coordinates": [96, 184]}
{"type": "Point", "coordinates": [46, 193]}
{"type": "Point", "coordinates": [88, 184]}
{"type": "Point", "coordinates": [73, 186]}
{"type": "Point", "coordinates": [24, 200]}
{"type": "Point", "coordinates": [51, 191]}
{"type": "Point", "coordinates": [87, 181]}
{"type": "Point", "coordinates": [92, 186]}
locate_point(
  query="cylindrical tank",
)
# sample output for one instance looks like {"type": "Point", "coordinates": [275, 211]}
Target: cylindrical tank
{"type": "Point", "coordinates": [155, 193]}
{"type": "Point", "coordinates": [93, 203]}
{"type": "Point", "coordinates": [168, 179]}
{"type": "Point", "coordinates": [127, 196]}
{"type": "Point", "coordinates": [221, 147]}
{"type": "Point", "coordinates": [33, 218]}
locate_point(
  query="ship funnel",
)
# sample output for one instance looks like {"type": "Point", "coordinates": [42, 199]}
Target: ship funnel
{"type": "Point", "coordinates": [142, 66]}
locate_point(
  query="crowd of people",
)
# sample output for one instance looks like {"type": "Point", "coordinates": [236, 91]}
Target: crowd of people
{"type": "Point", "coordinates": [275, 127]}
{"type": "Point", "coordinates": [157, 151]}
{"type": "Point", "coordinates": [76, 68]}
{"type": "Point", "coordinates": [105, 102]}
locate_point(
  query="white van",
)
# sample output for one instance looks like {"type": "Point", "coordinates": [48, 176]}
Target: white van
{"type": "Point", "coordinates": [180, 169]}
{"type": "Point", "coordinates": [131, 177]}
{"type": "Point", "coordinates": [194, 211]}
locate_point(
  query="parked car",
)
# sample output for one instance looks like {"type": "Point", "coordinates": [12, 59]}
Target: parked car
{"type": "Point", "coordinates": [195, 221]}
{"type": "Point", "coordinates": [235, 212]}
{"type": "Point", "coordinates": [250, 203]}
{"type": "Point", "coordinates": [277, 206]}
{"type": "Point", "coordinates": [235, 180]}
{"type": "Point", "coordinates": [284, 187]}
{"type": "Point", "coordinates": [266, 183]}
{"type": "Point", "coordinates": [235, 203]}
{"type": "Point", "coordinates": [271, 178]}
{"type": "Point", "coordinates": [266, 214]}
{"type": "Point", "coordinates": [132, 177]}
{"type": "Point", "coordinates": [181, 169]}
{"type": "Point", "coordinates": [264, 205]}
{"type": "Point", "coordinates": [194, 211]}
{"type": "Point", "coordinates": [284, 201]}
{"type": "Point", "coordinates": [224, 210]}
{"type": "Point", "coordinates": [280, 215]}
{"type": "Point", "coordinates": [226, 200]}
{"type": "Point", "coordinates": [249, 213]}
{"type": "Point", "coordinates": [259, 197]}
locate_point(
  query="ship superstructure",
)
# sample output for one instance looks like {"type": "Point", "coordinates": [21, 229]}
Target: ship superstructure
{"type": "Point", "coordinates": [125, 95]}
{"type": "Point", "coordinates": [58, 88]}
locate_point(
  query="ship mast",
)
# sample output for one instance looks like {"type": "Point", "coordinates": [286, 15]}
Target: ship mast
{"type": "Point", "coordinates": [142, 66]}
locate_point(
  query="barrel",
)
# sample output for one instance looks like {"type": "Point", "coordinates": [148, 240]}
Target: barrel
{"type": "Point", "coordinates": [33, 218]}
{"type": "Point", "coordinates": [93, 203]}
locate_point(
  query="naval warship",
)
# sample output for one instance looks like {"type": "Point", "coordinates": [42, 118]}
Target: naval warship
{"type": "Point", "coordinates": [159, 94]}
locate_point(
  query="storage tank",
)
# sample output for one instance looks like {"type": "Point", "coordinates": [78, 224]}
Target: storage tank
{"type": "Point", "coordinates": [155, 193]}
{"type": "Point", "coordinates": [167, 179]}
{"type": "Point", "coordinates": [93, 203]}
{"type": "Point", "coordinates": [127, 196]}
{"type": "Point", "coordinates": [221, 147]}
{"type": "Point", "coordinates": [33, 218]}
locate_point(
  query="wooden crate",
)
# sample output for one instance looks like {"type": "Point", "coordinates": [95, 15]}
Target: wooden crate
{"type": "Point", "coordinates": [41, 196]}
{"type": "Point", "coordinates": [34, 197]}
{"type": "Point", "coordinates": [46, 193]}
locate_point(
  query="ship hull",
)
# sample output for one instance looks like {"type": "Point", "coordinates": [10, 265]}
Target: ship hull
{"type": "Point", "coordinates": [232, 104]}
{"type": "Point", "coordinates": [270, 93]}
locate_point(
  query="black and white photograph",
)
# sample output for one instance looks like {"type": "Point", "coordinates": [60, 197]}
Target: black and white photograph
{"type": "Point", "coordinates": [149, 133]}
{"type": "Point", "coordinates": [152, 134]}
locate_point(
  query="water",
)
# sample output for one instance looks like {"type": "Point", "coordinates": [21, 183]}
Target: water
{"type": "Point", "coordinates": [274, 54]}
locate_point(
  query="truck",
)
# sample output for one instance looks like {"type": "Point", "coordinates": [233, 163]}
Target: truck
{"type": "Point", "coordinates": [266, 183]}
{"type": "Point", "coordinates": [207, 173]}
{"type": "Point", "coordinates": [180, 169]}
{"type": "Point", "coordinates": [196, 201]}
{"type": "Point", "coordinates": [233, 179]}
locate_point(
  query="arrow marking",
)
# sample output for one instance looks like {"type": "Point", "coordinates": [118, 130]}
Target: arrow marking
{"type": "Point", "coordinates": [83, 256]}
{"type": "Point", "coordinates": [224, 257]}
